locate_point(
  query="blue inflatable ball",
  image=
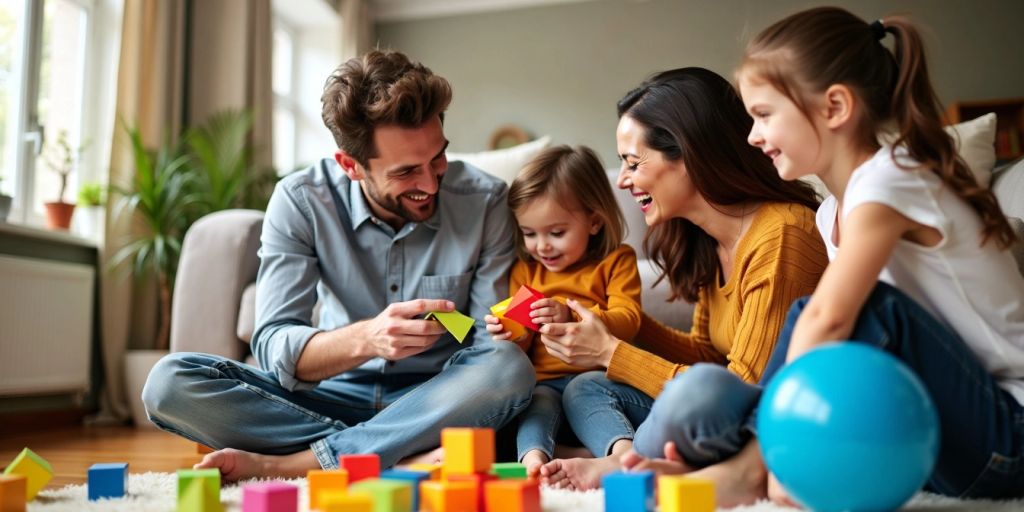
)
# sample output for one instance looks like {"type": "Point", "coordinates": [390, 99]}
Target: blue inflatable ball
{"type": "Point", "coordinates": [848, 427]}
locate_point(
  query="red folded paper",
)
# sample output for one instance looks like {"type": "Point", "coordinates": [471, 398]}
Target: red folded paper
{"type": "Point", "coordinates": [519, 309]}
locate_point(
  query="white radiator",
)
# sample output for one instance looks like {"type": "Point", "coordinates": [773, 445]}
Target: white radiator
{"type": "Point", "coordinates": [46, 311]}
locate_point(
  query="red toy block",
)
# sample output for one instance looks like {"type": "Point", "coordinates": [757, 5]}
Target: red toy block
{"type": "Point", "coordinates": [512, 496]}
{"type": "Point", "coordinates": [360, 467]}
{"type": "Point", "coordinates": [479, 480]}
{"type": "Point", "coordinates": [519, 309]}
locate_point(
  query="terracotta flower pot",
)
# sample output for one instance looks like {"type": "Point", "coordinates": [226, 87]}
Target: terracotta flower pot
{"type": "Point", "coordinates": [58, 215]}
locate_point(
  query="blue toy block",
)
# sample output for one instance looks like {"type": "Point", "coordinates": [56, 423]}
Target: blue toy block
{"type": "Point", "coordinates": [415, 477]}
{"type": "Point", "coordinates": [108, 480]}
{"type": "Point", "coordinates": [629, 492]}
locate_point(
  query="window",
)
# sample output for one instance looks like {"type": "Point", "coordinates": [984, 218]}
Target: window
{"type": "Point", "coordinates": [285, 104]}
{"type": "Point", "coordinates": [43, 65]}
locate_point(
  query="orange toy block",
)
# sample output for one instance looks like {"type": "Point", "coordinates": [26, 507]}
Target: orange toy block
{"type": "Point", "coordinates": [443, 496]}
{"type": "Point", "coordinates": [510, 325]}
{"type": "Point", "coordinates": [512, 496]}
{"type": "Point", "coordinates": [685, 494]}
{"type": "Point", "coordinates": [203, 449]}
{"type": "Point", "coordinates": [467, 450]}
{"type": "Point", "coordinates": [478, 480]}
{"type": "Point", "coordinates": [434, 470]}
{"type": "Point", "coordinates": [12, 493]}
{"type": "Point", "coordinates": [342, 501]}
{"type": "Point", "coordinates": [360, 467]}
{"type": "Point", "coordinates": [325, 480]}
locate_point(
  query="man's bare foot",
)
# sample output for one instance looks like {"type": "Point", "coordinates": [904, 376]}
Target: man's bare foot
{"type": "Point", "coordinates": [533, 460]}
{"type": "Point", "coordinates": [579, 474]}
{"type": "Point", "coordinates": [435, 456]}
{"type": "Point", "coordinates": [741, 480]}
{"type": "Point", "coordinates": [237, 465]}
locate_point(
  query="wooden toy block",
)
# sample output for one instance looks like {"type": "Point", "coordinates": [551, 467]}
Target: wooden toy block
{"type": "Point", "coordinates": [199, 490]}
{"type": "Point", "coordinates": [323, 480]}
{"type": "Point", "coordinates": [270, 497]}
{"type": "Point", "coordinates": [508, 470]}
{"type": "Point", "coordinates": [342, 501]}
{"type": "Point", "coordinates": [408, 475]}
{"type": "Point", "coordinates": [479, 480]}
{"type": "Point", "coordinates": [684, 494]}
{"type": "Point", "coordinates": [388, 495]}
{"type": "Point", "coordinates": [360, 467]}
{"type": "Point", "coordinates": [467, 450]}
{"type": "Point", "coordinates": [35, 469]}
{"type": "Point", "coordinates": [512, 496]}
{"type": "Point", "coordinates": [519, 309]}
{"type": "Point", "coordinates": [629, 492]}
{"type": "Point", "coordinates": [108, 480]}
{"type": "Point", "coordinates": [12, 493]}
{"type": "Point", "coordinates": [513, 327]}
{"type": "Point", "coordinates": [202, 449]}
{"type": "Point", "coordinates": [433, 469]}
{"type": "Point", "coordinates": [444, 496]}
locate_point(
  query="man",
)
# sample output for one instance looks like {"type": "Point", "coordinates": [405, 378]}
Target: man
{"type": "Point", "coordinates": [381, 235]}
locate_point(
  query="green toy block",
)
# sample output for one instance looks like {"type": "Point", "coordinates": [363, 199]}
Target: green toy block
{"type": "Point", "coordinates": [388, 495]}
{"type": "Point", "coordinates": [508, 470]}
{"type": "Point", "coordinates": [35, 469]}
{"type": "Point", "coordinates": [199, 490]}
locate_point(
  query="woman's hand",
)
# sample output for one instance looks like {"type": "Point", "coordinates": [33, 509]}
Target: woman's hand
{"type": "Point", "coordinates": [587, 343]}
{"type": "Point", "coordinates": [549, 311]}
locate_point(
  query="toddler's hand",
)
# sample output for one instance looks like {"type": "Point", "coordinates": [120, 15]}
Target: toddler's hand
{"type": "Point", "coordinates": [550, 311]}
{"type": "Point", "coordinates": [498, 331]}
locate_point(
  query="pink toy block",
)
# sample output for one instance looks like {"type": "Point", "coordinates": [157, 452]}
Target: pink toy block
{"type": "Point", "coordinates": [270, 497]}
{"type": "Point", "coordinates": [360, 467]}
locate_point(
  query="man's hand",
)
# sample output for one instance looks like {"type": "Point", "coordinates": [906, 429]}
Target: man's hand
{"type": "Point", "coordinates": [396, 334]}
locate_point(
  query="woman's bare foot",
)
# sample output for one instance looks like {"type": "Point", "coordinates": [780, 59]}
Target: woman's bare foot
{"type": "Point", "coordinates": [778, 494]}
{"type": "Point", "coordinates": [579, 474]}
{"type": "Point", "coordinates": [533, 460]}
{"type": "Point", "coordinates": [435, 456]}
{"type": "Point", "coordinates": [741, 480]}
{"type": "Point", "coordinates": [237, 465]}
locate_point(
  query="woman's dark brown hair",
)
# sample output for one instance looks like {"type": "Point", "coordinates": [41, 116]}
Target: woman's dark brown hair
{"type": "Point", "coordinates": [808, 52]}
{"type": "Point", "coordinates": [694, 115]}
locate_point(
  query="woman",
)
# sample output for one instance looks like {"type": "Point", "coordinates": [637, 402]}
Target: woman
{"type": "Point", "coordinates": [727, 233]}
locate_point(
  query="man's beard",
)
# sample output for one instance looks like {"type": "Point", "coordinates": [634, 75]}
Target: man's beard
{"type": "Point", "coordinates": [395, 206]}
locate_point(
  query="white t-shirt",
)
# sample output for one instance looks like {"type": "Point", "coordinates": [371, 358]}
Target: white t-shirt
{"type": "Point", "coordinates": [976, 290]}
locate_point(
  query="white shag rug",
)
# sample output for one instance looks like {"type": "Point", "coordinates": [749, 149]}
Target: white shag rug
{"type": "Point", "coordinates": [157, 492]}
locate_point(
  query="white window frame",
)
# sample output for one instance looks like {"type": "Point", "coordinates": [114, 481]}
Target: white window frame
{"type": "Point", "coordinates": [290, 102]}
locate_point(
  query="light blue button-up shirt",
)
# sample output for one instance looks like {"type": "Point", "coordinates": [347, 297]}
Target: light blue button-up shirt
{"type": "Point", "coordinates": [327, 244]}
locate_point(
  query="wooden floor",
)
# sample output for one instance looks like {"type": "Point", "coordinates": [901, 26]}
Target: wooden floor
{"type": "Point", "coordinates": [72, 450]}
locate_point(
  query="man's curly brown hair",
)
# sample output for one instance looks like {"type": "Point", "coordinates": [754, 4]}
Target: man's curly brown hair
{"type": "Point", "coordinates": [380, 88]}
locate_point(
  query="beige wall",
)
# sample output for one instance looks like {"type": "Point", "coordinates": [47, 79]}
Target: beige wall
{"type": "Point", "coordinates": [559, 70]}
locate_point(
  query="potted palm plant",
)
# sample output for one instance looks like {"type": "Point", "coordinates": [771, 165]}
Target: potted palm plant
{"type": "Point", "coordinates": [62, 158]}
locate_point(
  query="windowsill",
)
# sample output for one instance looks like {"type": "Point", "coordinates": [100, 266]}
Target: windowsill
{"type": "Point", "coordinates": [46, 234]}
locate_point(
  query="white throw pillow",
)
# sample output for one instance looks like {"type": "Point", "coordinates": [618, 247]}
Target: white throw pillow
{"type": "Point", "coordinates": [975, 141]}
{"type": "Point", "coordinates": [504, 163]}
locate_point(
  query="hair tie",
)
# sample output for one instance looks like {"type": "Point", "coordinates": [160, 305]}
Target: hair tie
{"type": "Point", "coordinates": [877, 29]}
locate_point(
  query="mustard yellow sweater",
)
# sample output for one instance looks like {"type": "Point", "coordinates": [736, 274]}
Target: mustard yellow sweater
{"type": "Point", "coordinates": [610, 288]}
{"type": "Point", "coordinates": [780, 258]}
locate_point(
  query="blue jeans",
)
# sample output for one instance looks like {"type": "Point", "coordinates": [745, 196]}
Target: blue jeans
{"type": "Point", "coordinates": [539, 423]}
{"type": "Point", "coordinates": [982, 426]}
{"type": "Point", "coordinates": [602, 412]}
{"type": "Point", "coordinates": [223, 403]}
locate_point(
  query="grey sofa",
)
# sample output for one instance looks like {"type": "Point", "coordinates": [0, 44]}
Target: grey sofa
{"type": "Point", "coordinates": [213, 309]}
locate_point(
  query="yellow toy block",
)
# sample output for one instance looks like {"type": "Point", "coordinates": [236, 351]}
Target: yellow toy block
{"type": "Point", "coordinates": [685, 494]}
{"type": "Point", "coordinates": [388, 495]}
{"type": "Point", "coordinates": [513, 327]}
{"type": "Point", "coordinates": [467, 450]}
{"type": "Point", "coordinates": [512, 496]}
{"type": "Point", "coordinates": [199, 490]}
{"type": "Point", "coordinates": [442, 496]}
{"type": "Point", "coordinates": [433, 469]}
{"type": "Point", "coordinates": [12, 493]}
{"type": "Point", "coordinates": [325, 480]}
{"type": "Point", "coordinates": [35, 469]}
{"type": "Point", "coordinates": [342, 501]}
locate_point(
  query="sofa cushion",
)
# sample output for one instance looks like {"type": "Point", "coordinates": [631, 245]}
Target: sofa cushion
{"type": "Point", "coordinates": [247, 314]}
{"type": "Point", "coordinates": [975, 141]}
{"type": "Point", "coordinates": [504, 163]}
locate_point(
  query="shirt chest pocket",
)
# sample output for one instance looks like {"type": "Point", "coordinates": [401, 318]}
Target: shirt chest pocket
{"type": "Point", "coordinates": [453, 287]}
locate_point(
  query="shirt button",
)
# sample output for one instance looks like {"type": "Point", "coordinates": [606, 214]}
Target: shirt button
{"type": "Point", "coordinates": [394, 287]}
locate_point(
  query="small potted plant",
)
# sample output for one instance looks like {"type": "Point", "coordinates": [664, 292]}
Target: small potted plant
{"type": "Point", "coordinates": [5, 202]}
{"type": "Point", "coordinates": [61, 157]}
{"type": "Point", "coordinates": [89, 212]}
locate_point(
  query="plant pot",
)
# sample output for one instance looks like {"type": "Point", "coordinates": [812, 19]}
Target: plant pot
{"type": "Point", "coordinates": [5, 207]}
{"type": "Point", "coordinates": [58, 215]}
{"type": "Point", "coordinates": [88, 222]}
{"type": "Point", "coordinates": [137, 365]}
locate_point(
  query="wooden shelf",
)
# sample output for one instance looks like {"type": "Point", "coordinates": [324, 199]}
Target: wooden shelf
{"type": "Point", "coordinates": [1009, 122]}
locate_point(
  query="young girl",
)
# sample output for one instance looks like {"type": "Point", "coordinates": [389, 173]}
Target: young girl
{"type": "Point", "coordinates": [570, 249]}
{"type": "Point", "coordinates": [820, 86]}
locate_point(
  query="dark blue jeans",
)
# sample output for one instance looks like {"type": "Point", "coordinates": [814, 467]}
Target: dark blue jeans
{"type": "Point", "coordinates": [710, 415]}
